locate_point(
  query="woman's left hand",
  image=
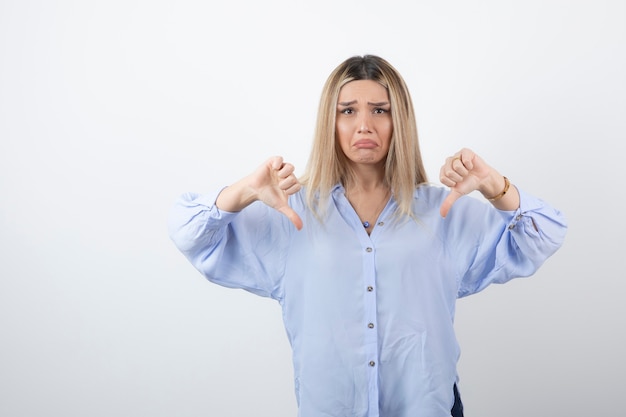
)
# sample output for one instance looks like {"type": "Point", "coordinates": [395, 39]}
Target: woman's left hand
{"type": "Point", "coordinates": [465, 172]}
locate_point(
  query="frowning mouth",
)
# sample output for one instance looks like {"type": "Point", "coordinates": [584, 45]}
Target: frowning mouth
{"type": "Point", "coordinates": [365, 144]}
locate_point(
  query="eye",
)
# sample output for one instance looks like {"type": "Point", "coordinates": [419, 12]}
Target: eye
{"type": "Point", "coordinates": [347, 110]}
{"type": "Point", "coordinates": [380, 110]}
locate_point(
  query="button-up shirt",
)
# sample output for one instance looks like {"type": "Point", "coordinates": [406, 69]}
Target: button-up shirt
{"type": "Point", "coordinates": [369, 316]}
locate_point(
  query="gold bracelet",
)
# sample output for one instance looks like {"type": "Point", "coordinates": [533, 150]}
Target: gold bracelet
{"type": "Point", "coordinates": [507, 184]}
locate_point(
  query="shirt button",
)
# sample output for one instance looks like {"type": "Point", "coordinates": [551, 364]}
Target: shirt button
{"type": "Point", "coordinates": [372, 363]}
{"type": "Point", "coordinates": [368, 249]}
{"type": "Point", "coordinates": [371, 325]}
{"type": "Point", "coordinates": [370, 288]}
{"type": "Point", "coordinates": [381, 223]}
{"type": "Point", "coordinates": [511, 226]}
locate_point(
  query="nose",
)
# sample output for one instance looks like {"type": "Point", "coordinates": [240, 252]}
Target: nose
{"type": "Point", "coordinates": [364, 124]}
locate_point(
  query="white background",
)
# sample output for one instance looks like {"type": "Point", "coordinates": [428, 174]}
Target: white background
{"type": "Point", "coordinates": [111, 109]}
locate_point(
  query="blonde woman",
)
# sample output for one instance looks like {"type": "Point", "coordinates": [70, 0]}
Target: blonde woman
{"type": "Point", "coordinates": [366, 257]}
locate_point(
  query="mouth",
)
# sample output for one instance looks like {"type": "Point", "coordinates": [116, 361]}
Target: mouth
{"type": "Point", "coordinates": [365, 144]}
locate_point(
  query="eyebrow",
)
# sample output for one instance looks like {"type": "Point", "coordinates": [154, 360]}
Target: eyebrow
{"type": "Point", "coordinates": [349, 103]}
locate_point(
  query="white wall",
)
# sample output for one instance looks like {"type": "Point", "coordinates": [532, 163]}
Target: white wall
{"type": "Point", "coordinates": [110, 110]}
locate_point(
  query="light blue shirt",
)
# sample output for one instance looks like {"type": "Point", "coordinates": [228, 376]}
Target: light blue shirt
{"type": "Point", "coordinates": [369, 317]}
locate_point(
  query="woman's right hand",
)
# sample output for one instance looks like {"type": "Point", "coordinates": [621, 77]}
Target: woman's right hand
{"type": "Point", "coordinates": [272, 183]}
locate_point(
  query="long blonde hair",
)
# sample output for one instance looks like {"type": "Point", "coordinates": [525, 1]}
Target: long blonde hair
{"type": "Point", "coordinates": [327, 165]}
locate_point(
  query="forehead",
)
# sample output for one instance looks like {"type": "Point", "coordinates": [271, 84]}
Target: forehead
{"type": "Point", "coordinates": [367, 90]}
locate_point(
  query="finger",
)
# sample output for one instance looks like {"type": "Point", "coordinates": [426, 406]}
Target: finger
{"type": "Point", "coordinates": [447, 181]}
{"type": "Point", "coordinates": [292, 216]}
{"type": "Point", "coordinates": [276, 162]}
{"type": "Point", "coordinates": [286, 170]}
{"type": "Point", "coordinates": [458, 166]}
{"type": "Point", "coordinates": [448, 202]}
{"type": "Point", "coordinates": [293, 189]}
{"type": "Point", "coordinates": [288, 182]}
{"type": "Point", "coordinates": [449, 176]}
{"type": "Point", "coordinates": [455, 157]}
{"type": "Point", "coordinates": [466, 157]}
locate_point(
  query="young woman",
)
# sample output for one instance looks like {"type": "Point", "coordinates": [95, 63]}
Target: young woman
{"type": "Point", "coordinates": [365, 257]}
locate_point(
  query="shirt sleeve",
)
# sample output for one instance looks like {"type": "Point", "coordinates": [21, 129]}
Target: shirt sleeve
{"type": "Point", "coordinates": [508, 244]}
{"type": "Point", "coordinates": [245, 250]}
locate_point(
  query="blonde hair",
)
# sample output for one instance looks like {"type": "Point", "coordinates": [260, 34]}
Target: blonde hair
{"type": "Point", "coordinates": [327, 165]}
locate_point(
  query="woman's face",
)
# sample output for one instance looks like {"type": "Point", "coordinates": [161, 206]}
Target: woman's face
{"type": "Point", "coordinates": [364, 124]}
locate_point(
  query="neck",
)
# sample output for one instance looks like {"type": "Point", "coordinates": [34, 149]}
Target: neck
{"type": "Point", "coordinates": [367, 179]}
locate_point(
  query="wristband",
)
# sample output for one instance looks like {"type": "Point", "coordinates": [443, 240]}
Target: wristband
{"type": "Point", "coordinates": [507, 184]}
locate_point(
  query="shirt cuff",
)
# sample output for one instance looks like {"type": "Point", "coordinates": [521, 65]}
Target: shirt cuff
{"type": "Point", "coordinates": [208, 202]}
{"type": "Point", "coordinates": [528, 203]}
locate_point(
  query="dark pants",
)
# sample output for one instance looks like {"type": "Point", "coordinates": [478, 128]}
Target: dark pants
{"type": "Point", "coordinates": [457, 408]}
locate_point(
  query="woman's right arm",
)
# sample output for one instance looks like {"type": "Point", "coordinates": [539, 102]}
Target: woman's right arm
{"type": "Point", "coordinates": [229, 245]}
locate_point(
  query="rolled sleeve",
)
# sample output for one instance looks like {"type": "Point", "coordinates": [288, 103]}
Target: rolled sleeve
{"type": "Point", "coordinates": [516, 247]}
{"type": "Point", "coordinates": [245, 249]}
{"type": "Point", "coordinates": [537, 227]}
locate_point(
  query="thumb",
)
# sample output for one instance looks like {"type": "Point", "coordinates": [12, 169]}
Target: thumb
{"type": "Point", "coordinates": [448, 202]}
{"type": "Point", "coordinates": [291, 215]}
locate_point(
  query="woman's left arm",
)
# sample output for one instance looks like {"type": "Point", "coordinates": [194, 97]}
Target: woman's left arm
{"type": "Point", "coordinates": [513, 241]}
